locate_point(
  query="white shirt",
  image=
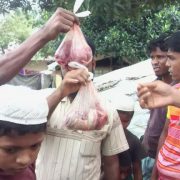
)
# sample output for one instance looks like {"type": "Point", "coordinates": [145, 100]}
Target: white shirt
{"type": "Point", "coordinates": [76, 155]}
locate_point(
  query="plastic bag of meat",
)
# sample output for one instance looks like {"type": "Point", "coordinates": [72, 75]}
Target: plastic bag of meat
{"type": "Point", "coordinates": [86, 111]}
{"type": "Point", "coordinates": [73, 48]}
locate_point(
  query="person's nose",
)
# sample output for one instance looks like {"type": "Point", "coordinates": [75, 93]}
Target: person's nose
{"type": "Point", "coordinates": [154, 61]}
{"type": "Point", "coordinates": [24, 158]}
{"type": "Point", "coordinates": [168, 63]}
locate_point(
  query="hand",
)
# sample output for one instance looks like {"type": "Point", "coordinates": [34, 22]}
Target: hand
{"type": "Point", "coordinates": [61, 21]}
{"type": "Point", "coordinates": [155, 94]}
{"type": "Point", "coordinates": [73, 80]}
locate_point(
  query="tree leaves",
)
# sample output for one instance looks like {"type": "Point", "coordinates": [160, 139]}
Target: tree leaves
{"type": "Point", "coordinates": [7, 5]}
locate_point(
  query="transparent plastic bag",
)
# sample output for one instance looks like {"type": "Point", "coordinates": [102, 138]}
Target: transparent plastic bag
{"type": "Point", "coordinates": [73, 48]}
{"type": "Point", "coordinates": [87, 111]}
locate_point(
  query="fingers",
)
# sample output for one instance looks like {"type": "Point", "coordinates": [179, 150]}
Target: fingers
{"type": "Point", "coordinates": [63, 12]}
{"type": "Point", "coordinates": [60, 22]}
{"type": "Point", "coordinates": [78, 76]}
{"type": "Point", "coordinates": [82, 76]}
{"type": "Point", "coordinates": [68, 18]}
{"type": "Point", "coordinates": [144, 95]}
{"type": "Point", "coordinates": [145, 88]}
{"type": "Point", "coordinates": [142, 90]}
{"type": "Point", "coordinates": [143, 104]}
{"type": "Point", "coordinates": [71, 16]}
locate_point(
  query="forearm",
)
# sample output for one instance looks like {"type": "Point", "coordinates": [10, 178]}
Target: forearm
{"type": "Point", "coordinates": [137, 171]}
{"type": "Point", "coordinates": [12, 62]}
{"type": "Point", "coordinates": [111, 168]}
{"type": "Point", "coordinates": [175, 97]}
{"type": "Point", "coordinates": [54, 99]}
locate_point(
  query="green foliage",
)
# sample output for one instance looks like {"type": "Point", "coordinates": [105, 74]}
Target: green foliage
{"type": "Point", "coordinates": [166, 20]}
{"type": "Point", "coordinates": [15, 27]}
{"type": "Point", "coordinates": [7, 5]}
{"type": "Point", "coordinates": [50, 48]}
{"type": "Point", "coordinates": [111, 26]}
{"type": "Point", "coordinates": [106, 10]}
{"type": "Point", "coordinates": [127, 38]}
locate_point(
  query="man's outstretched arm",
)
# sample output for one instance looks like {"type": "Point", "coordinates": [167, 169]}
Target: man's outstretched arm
{"type": "Point", "coordinates": [12, 62]}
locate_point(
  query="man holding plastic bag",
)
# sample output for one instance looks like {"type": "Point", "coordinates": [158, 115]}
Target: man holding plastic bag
{"type": "Point", "coordinates": [11, 63]}
{"type": "Point", "coordinates": [78, 135]}
{"type": "Point", "coordinates": [69, 152]}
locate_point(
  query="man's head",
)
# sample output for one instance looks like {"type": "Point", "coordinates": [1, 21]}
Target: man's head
{"type": "Point", "coordinates": [157, 50]}
{"type": "Point", "coordinates": [173, 55]}
{"type": "Point", "coordinates": [23, 119]}
{"type": "Point", "coordinates": [125, 108]}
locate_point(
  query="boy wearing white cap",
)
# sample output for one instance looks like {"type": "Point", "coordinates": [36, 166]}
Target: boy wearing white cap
{"type": "Point", "coordinates": [23, 117]}
{"type": "Point", "coordinates": [130, 160]}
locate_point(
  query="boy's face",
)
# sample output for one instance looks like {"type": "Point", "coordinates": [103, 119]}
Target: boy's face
{"type": "Point", "coordinates": [158, 60]}
{"type": "Point", "coordinates": [125, 117]}
{"type": "Point", "coordinates": [173, 64]}
{"type": "Point", "coordinates": [18, 152]}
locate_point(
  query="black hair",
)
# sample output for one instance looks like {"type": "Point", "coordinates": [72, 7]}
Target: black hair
{"type": "Point", "coordinates": [91, 44]}
{"type": "Point", "coordinates": [159, 42]}
{"type": "Point", "coordinates": [173, 42]}
{"type": "Point", "coordinates": [11, 129]}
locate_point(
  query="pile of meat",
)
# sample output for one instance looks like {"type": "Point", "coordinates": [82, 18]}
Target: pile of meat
{"type": "Point", "coordinates": [86, 111]}
{"type": "Point", "coordinates": [73, 48]}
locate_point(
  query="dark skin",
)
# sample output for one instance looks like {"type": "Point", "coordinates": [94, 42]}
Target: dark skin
{"type": "Point", "coordinates": [111, 167]}
{"type": "Point", "coordinates": [12, 62]}
{"type": "Point", "coordinates": [157, 94]}
{"type": "Point", "coordinates": [126, 117]}
{"type": "Point", "coordinates": [158, 61]}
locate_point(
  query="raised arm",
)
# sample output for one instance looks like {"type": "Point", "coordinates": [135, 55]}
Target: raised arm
{"type": "Point", "coordinates": [12, 62]}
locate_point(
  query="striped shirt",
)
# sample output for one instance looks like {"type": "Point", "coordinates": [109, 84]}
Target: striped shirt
{"type": "Point", "coordinates": [169, 156]}
{"type": "Point", "coordinates": [76, 155]}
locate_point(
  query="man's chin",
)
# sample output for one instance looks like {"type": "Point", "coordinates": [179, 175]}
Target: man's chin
{"type": "Point", "coordinates": [13, 171]}
{"type": "Point", "coordinates": [158, 74]}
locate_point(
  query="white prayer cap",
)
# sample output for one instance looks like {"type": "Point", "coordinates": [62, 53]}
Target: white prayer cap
{"type": "Point", "coordinates": [22, 105]}
{"type": "Point", "coordinates": [122, 102]}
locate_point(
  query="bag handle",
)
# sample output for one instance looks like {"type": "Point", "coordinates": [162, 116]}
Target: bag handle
{"type": "Point", "coordinates": [77, 5]}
